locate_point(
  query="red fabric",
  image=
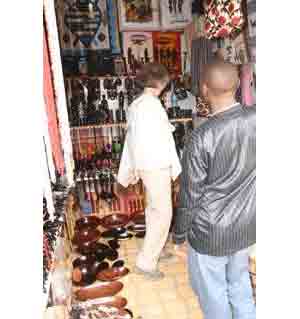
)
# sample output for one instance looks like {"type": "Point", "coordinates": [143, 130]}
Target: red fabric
{"type": "Point", "coordinates": [51, 112]}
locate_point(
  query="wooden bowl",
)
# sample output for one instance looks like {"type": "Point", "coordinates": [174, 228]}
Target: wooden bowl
{"type": "Point", "coordinates": [83, 275]}
{"type": "Point", "coordinates": [114, 220]}
{"type": "Point", "coordinates": [90, 247]}
{"type": "Point", "coordinates": [137, 228]}
{"type": "Point", "coordinates": [112, 274]}
{"type": "Point", "coordinates": [87, 222]}
{"type": "Point", "coordinates": [114, 232]}
{"type": "Point", "coordinates": [114, 244]}
{"type": "Point", "coordinates": [86, 236]}
{"type": "Point", "coordinates": [139, 219]}
{"type": "Point", "coordinates": [84, 260]}
{"type": "Point", "coordinates": [106, 312]}
{"type": "Point", "coordinates": [114, 301]}
{"type": "Point", "coordinates": [119, 263]}
{"type": "Point", "coordinates": [99, 290]}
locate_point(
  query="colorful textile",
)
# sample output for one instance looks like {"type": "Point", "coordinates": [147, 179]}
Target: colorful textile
{"type": "Point", "coordinates": [223, 18]}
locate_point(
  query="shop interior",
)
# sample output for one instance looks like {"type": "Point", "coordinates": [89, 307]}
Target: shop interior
{"type": "Point", "coordinates": [93, 229]}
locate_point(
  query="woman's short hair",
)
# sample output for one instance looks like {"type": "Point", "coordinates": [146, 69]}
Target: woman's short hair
{"type": "Point", "coordinates": [151, 74]}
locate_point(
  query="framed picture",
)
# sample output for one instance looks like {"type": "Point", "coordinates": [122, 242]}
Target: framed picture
{"type": "Point", "coordinates": [137, 15]}
{"type": "Point", "coordinates": [175, 14]}
{"type": "Point", "coordinates": [167, 50]}
{"type": "Point", "coordinates": [138, 49]}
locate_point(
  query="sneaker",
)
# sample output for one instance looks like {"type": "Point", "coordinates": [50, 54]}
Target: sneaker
{"type": "Point", "coordinates": [151, 275]}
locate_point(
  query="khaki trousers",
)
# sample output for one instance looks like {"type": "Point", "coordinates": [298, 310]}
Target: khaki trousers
{"type": "Point", "coordinates": [158, 215]}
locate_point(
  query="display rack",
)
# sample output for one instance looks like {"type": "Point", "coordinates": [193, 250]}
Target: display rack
{"type": "Point", "coordinates": [124, 125]}
{"type": "Point", "coordinates": [59, 234]}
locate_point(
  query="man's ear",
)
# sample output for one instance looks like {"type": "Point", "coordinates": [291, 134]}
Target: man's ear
{"type": "Point", "coordinates": [204, 89]}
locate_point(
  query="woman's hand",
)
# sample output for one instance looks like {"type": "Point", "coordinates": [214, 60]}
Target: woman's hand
{"type": "Point", "coordinates": [180, 251]}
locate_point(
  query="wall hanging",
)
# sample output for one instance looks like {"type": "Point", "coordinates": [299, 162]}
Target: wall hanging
{"type": "Point", "coordinates": [137, 15]}
{"type": "Point", "coordinates": [167, 50]}
{"type": "Point", "coordinates": [113, 23]}
{"type": "Point", "coordinates": [234, 51]}
{"type": "Point", "coordinates": [83, 24]}
{"type": "Point", "coordinates": [137, 48]}
{"type": "Point", "coordinates": [223, 18]}
{"type": "Point", "coordinates": [251, 17]}
{"type": "Point", "coordinates": [175, 14]}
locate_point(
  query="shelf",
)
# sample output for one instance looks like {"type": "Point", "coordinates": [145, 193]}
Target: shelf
{"type": "Point", "coordinates": [99, 126]}
{"type": "Point", "coordinates": [123, 124]}
{"type": "Point", "coordinates": [101, 77]}
{"type": "Point", "coordinates": [49, 279]}
{"type": "Point", "coordinates": [58, 233]}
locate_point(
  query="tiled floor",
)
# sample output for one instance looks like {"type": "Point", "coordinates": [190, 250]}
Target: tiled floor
{"type": "Point", "coordinates": [169, 298]}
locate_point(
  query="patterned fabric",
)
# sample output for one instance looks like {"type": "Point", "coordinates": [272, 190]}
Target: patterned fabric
{"type": "Point", "coordinates": [217, 210]}
{"type": "Point", "coordinates": [222, 18]}
{"type": "Point", "coordinates": [202, 53]}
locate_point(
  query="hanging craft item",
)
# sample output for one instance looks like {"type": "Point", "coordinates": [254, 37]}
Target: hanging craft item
{"type": "Point", "coordinates": [223, 18]}
{"type": "Point", "coordinates": [138, 49]}
{"type": "Point", "coordinates": [114, 34]}
{"type": "Point", "coordinates": [175, 14]}
{"type": "Point", "coordinates": [251, 16]}
{"type": "Point", "coordinates": [167, 50]}
{"type": "Point", "coordinates": [233, 51]}
{"type": "Point", "coordinates": [247, 85]}
{"type": "Point", "coordinates": [202, 54]}
{"type": "Point", "coordinates": [83, 24]}
{"type": "Point", "coordinates": [139, 15]}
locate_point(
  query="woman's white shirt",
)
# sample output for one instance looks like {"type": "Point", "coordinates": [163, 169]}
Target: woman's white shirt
{"type": "Point", "coordinates": [149, 142]}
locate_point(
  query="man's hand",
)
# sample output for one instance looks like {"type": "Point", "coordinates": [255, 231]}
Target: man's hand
{"type": "Point", "coordinates": [180, 251]}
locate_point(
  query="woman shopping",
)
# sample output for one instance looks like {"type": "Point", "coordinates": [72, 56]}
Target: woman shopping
{"type": "Point", "coordinates": [150, 155]}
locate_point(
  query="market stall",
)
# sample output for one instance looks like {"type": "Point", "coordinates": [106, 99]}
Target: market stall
{"type": "Point", "coordinates": [93, 50]}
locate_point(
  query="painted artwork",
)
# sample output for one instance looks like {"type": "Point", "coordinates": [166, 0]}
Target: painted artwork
{"type": "Point", "coordinates": [175, 14]}
{"type": "Point", "coordinates": [167, 50]}
{"type": "Point", "coordinates": [139, 15]}
{"type": "Point", "coordinates": [83, 24]}
{"type": "Point", "coordinates": [138, 49]}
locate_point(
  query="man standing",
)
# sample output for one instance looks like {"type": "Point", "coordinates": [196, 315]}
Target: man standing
{"type": "Point", "coordinates": [217, 209]}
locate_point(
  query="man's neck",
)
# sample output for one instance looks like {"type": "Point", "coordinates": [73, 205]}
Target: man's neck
{"type": "Point", "coordinates": [222, 106]}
